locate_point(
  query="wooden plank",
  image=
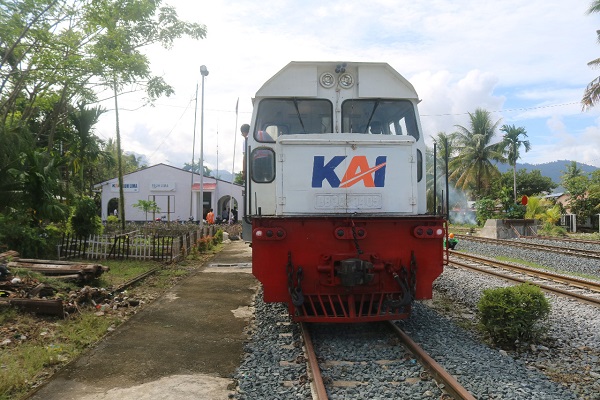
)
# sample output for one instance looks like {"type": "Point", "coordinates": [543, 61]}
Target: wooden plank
{"type": "Point", "coordinates": [46, 307]}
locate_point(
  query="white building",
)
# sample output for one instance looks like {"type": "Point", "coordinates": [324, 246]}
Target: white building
{"type": "Point", "coordinates": [174, 191]}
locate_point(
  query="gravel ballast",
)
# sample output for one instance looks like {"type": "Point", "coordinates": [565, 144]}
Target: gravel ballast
{"type": "Point", "coordinates": [564, 365]}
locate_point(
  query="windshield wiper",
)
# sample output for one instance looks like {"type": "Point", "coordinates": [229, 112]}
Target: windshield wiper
{"type": "Point", "coordinates": [298, 114]}
{"type": "Point", "coordinates": [371, 116]}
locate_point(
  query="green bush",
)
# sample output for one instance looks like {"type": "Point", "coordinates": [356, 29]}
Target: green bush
{"type": "Point", "coordinates": [549, 229]}
{"type": "Point", "coordinates": [29, 241]}
{"type": "Point", "coordinates": [484, 210]}
{"type": "Point", "coordinates": [513, 313]}
{"type": "Point", "coordinates": [84, 220]}
{"type": "Point", "coordinates": [218, 236]}
{"type": "Point", "coordinates": [112, 220]}
{"type": "Point", "coordinates": [205, 244]}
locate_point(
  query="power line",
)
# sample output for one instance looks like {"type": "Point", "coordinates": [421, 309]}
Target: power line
{"type": "Point", "coordinates": [503, 111]}
{"type": "Point", "coordinates": [172, 129]}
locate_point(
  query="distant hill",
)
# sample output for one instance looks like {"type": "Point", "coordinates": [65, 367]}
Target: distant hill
{"type": "Point", "coordinates": [552, 170]}
{"type": "Point", "coordinates": [222, 175]}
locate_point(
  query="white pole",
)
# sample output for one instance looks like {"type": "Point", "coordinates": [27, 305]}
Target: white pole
{"type": "Point", "coordinates": [230, 215]}
{"type": "Point", "coordinates": [193, 153]}
{"type": "Point", "coordinates": [203, 72]}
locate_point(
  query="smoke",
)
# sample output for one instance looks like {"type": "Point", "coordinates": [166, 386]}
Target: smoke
{"type": "Point", "coordinates": [461, 209]}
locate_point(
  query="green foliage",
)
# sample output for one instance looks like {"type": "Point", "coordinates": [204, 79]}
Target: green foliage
{"type": "Point", "coordinates": [472, 168]}
{"type": "Point", "coordinates": [30, 241]}
{"type": "Point", "coordinates": [219, 236]}
{"type": "Point", "coordinates": [528, 183]}
{"type": "Point", "coordinates": [112, 220]}
{"type": "Point", "coordinates": [550, 229]}
{"type": "Point", "coordinates": [513, 313]}
{"type": "Point", "coordinates": [205, 244]}
{"type": "Point", "coordinates": [147, 206]}
{"type": "Point", "coordinates": [484, 210]}
{"type": "Point", "coordinates": [509, 207]}
{"type": "Point", "coordinates": [85, 220]}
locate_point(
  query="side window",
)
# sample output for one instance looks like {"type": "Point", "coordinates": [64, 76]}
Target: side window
{"type": "Point", "coordinates": [262, 167]}
{"type": "Point", "coordinates": [419, 165]}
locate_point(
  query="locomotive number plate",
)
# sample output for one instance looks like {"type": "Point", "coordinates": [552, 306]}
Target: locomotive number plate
{"type": "Point", "coordinates": [354, 201]}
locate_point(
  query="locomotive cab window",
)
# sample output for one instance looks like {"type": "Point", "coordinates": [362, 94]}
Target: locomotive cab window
{"type": "Point", "coordinates": [290, 116]}
{"type": "Point", "coordinates": [262, 167]}
{"type": "Point", "coordinates": [378, 116]}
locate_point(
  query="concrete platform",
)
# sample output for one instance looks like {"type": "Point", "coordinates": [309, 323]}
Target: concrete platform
{"type": "Point", "coordinates": [185, 345]}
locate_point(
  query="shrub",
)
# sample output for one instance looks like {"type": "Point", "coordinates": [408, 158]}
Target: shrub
{"type": "Point", "coordinates": [29, 241]}
{"type": "Point", "coordinates": [485, 209]}
{"type": "Point", "coordinates": [513, 313]}
{"type": "Point", "coordinates": [549, 229]}
{"type": "Point", "coordinates": [85, 220]}
{"type": "Point", "coordinates": [205, 243]}
{"type": "Point", "coordinates": [219, 236]}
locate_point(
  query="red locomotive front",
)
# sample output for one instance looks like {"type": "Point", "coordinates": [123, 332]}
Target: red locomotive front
{"type": "Point", "coordinates": [335, 194]}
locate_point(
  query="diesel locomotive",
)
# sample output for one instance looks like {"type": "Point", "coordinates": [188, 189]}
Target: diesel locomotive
{"type": "Point", "coordinates": [335, 193]}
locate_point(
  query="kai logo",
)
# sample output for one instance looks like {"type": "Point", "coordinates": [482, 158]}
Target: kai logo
{"type": "Point", "coordinates": [358, 170]}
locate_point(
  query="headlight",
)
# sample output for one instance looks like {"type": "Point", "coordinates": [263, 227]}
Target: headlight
{"type": "Point", "coordinates": [346, 81]}
{"type": "Point", "coordinates": [327, 80]}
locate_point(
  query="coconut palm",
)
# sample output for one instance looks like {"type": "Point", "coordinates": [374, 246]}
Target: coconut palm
{"type": "Point", "coordinates": [86, 145]}
{"type": "Point", "coordinates": [591, 95]}
{"type": "Point", "coordinates": [444, 150]}
{"type": "Point", "coordinates": [511, 144]}
{"type": "Point", "coordinates": [472, 167]}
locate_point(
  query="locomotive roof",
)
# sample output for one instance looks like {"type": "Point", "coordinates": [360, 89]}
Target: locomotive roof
{"type": "Point", "coordinates": [374, 79]}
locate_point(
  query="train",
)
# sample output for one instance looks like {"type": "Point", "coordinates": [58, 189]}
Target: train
{"type": "Point", "coordinates": [335, 193]}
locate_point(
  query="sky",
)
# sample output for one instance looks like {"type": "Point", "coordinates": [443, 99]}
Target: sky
{"type": "Point", "coordinates": [524, 61]}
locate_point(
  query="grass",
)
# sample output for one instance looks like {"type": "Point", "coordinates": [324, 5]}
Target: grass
{"type": "Point", "coordinates": [40, 345]}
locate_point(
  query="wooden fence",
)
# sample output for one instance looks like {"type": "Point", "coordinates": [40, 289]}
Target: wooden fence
{"type": "Point", "coordinates": [136, 245]}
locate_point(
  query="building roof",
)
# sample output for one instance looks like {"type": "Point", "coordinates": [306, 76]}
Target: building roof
{"type": "Point", "coordinates": [100, 184]}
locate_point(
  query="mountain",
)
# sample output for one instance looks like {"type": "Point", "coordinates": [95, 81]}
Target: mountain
{"type": "Point", "coordinates": [552, 170]}
{"type": "Point", "coordinates": [222, 175]}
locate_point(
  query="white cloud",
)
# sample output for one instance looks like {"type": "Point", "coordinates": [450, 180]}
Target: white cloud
{"type": "Point", "coordinates": [459, 55]}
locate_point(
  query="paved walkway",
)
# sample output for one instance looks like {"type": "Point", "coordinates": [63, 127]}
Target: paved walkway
{"type": "Point", "coordinates": [185, 345]}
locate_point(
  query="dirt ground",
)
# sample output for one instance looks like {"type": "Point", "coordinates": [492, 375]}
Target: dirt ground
{"type": "Point", "coordinates": [185, 345]}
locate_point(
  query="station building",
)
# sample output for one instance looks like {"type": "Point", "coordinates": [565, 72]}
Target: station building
{"type": "Point", "coordinates": [175, 191]}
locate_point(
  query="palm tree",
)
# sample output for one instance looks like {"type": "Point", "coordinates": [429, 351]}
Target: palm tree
{"type": "Point", "coordinates": [87, 145]}
{"type": "Point", "coordinates": [591, 96]}
{"type": "Point", "coordinates": [473, 167]}
{"type": "Point", "coordinates": [444, 149]}
{"type": "Point", "coordinates": [572, 171]}
{"type": "Point", "coordinates": [511, 144]}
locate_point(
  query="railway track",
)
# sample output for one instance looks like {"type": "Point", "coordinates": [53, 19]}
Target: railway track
{"type": "Point", "coordinates": [562, 239]}
{"type": "Point", "coordinates": [445, 383]}
{"type": "Point", "coordinates": [580, 289]}
{"type": "Point", "coordinates": [535, 246]}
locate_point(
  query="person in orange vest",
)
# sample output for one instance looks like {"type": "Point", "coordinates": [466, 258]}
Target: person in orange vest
{"type": "Point", "coordinates": [210, 217]}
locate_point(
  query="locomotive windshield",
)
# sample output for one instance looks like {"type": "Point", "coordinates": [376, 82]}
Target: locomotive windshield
{"type": "Point", "coordinates": [378, 116]}
{"type": "Point", "coordinates": [278, 117]}
{"type": "Point", "coordinates": [290, 116]}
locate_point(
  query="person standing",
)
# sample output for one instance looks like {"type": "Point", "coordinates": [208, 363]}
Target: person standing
{"type": "Point", "coordinates": [210, 217]}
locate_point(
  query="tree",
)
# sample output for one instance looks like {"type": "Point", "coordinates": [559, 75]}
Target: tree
{"type": "Point", "coordinates": [87, 146]}
{"type": "Point", "coordinates": [591, 96]}
{"type": "Point", "coordinates": [444, 149]}
{"type": "Point", "coordinates": [124, 28]}
{"type": "Point", "coordinates": [147, 206]}
{"type": "Point", "coordinates": [239, 178]}
{"type": "Point", "coordinates": [529, 183]}
{"type": "Point", "coordinates": [571, 172]}
{"type": "Point", "coordinates": [196, 170]}
{"type": "Point", "coordinates": [512, 143]}
{"type": "Point", "coordinates": [577, 185]}
{"type": "Point", "coordinates": [472, 167]}
{"type": "Point", "coordinates": [85, 220]}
